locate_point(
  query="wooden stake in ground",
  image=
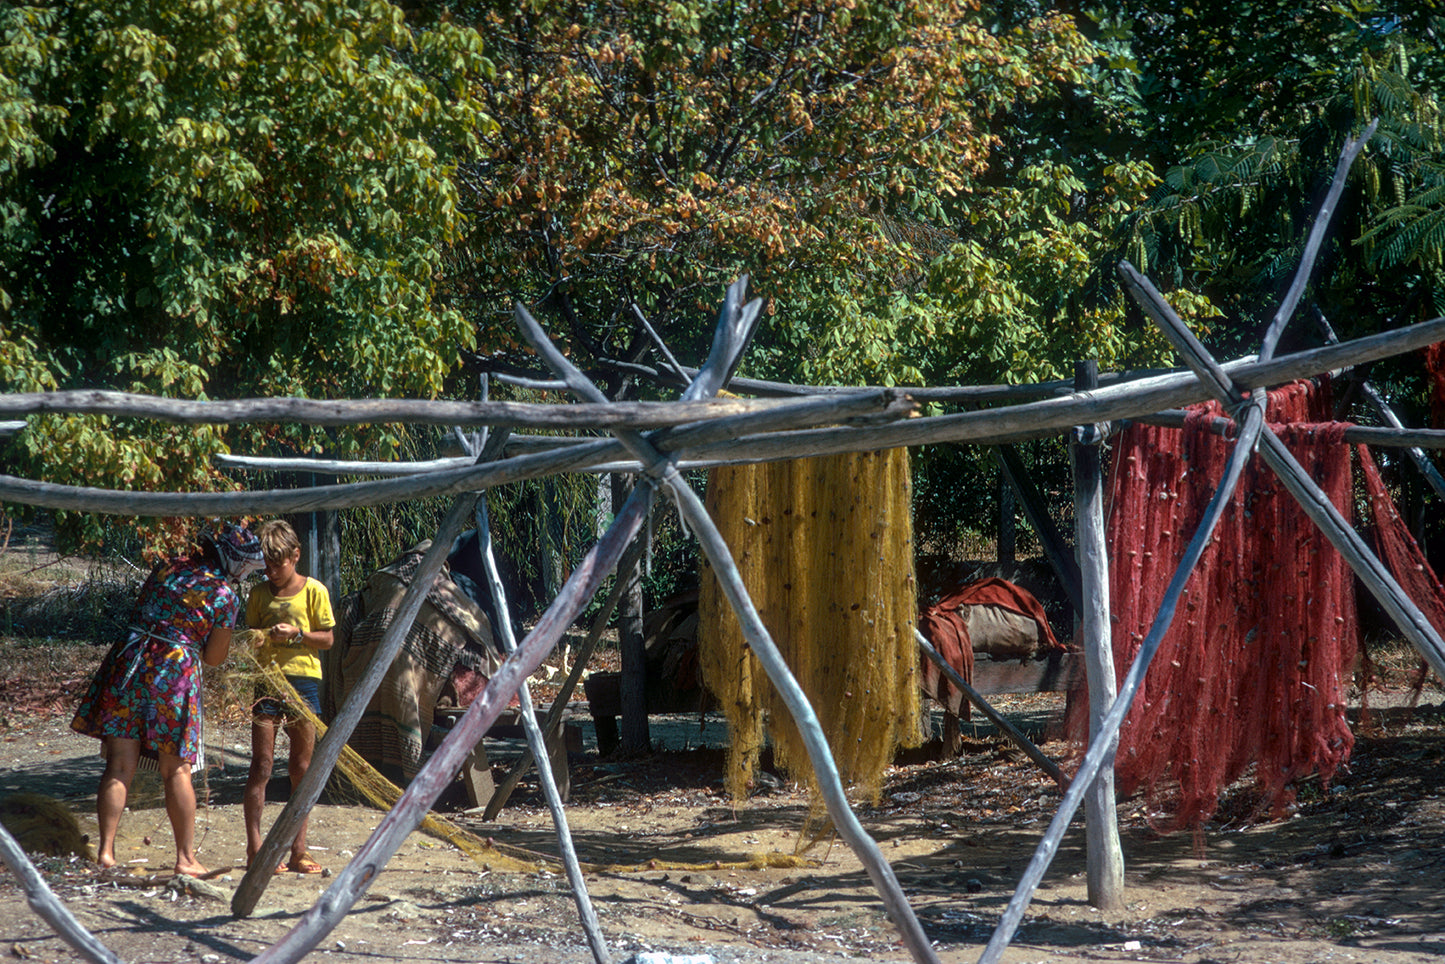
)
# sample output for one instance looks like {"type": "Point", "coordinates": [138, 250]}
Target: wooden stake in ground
{"type": "Point", "coordinates": [1101, 749]}
{"type": "Point", "coordinates": [441, 769]}
{"type": "Point", "coordinates": [328, 749]}
{"type": "Point", "coordinates": [537, 742]}
{"type": "Point", "coordinates": [732, 334]}
{"type": "Point", "coordinates": [1105, 855]}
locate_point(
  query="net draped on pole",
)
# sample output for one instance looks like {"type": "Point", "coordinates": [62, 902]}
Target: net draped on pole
{"type": "Point", "coordinates": [1252, 674]}
{"type": "Point", "coordinates": [825, 547]}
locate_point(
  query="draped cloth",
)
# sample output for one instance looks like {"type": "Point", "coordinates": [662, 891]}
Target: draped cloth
{"type": "Point", "coordinates": [447, 655]}
{"type": "Point", "coordinates": [948, 627]}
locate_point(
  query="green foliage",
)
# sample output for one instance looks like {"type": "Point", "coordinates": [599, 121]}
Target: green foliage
{"type": "Point", "coordinates": [1273, 90]}
{"type": "Point", "coordinates": [216, 198]}
{"type": "Point", "coordinates": [649, 153]}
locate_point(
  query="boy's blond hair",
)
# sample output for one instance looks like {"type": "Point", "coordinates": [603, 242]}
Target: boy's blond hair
{"type": "Point", "coordinates": [278, 539]}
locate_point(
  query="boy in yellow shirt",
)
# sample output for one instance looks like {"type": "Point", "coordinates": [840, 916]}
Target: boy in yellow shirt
{"type": "Point", "coordinates": [295, 613]}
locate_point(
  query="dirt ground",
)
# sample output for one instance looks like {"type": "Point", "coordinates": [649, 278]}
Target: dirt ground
{"type": "Point", "coordinates": [1357, 873]}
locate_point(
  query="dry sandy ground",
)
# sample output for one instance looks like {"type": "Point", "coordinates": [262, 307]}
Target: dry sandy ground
{"type": "Point", "coordinates": [1357, 874]}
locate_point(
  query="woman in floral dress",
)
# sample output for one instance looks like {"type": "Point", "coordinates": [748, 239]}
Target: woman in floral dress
{"type": "Point", "coordinates": [147, 692]}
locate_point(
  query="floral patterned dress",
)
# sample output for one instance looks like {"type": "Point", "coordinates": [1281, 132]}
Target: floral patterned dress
{"type": "Point", "coordinates": [148, 688]}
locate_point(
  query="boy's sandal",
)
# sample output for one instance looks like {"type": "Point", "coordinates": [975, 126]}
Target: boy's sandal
{"type": "Point", "coordinates": [304, 865]}
{"type": "Point", "coordinates": [280, 868]}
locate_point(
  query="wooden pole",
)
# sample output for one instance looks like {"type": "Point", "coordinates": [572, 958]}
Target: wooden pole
{"type": "Point", "coordinates": [1101, 750]}
{"type": "Point", "coordinates": [636, 734]}
{"type": "Point", "coordinates": [732, 333]}
{"type": "Point", "coordinates": [1101, 820]}
{"type": "Point", "coordinates": [1056, 549]}
{"type": "Point", "coordinates": [728, 438]}
{"type": "Point", "coordinates": [536, 734]}
{"type": "Point", "coordinates": [1007, 530]}
{"type": "Point", "coordinates": [1387, 415]}
{"type": "Point", "coordinates": [1348, 153]}
{"type": "Point", "coordinates": [48, 907]}
{"type": "Point", "coordinates": [439, 771]}
{"type": "Point", "coordinates": [584, 653]}
{"type": "Point", "coordinates": [328, 749]}
{"type": "Point", "coordinates": [1013, 733]}
{"type": "Point", "coordinates": [1315, 503]}
{"type": "Point", "coordinates": [537, 743]}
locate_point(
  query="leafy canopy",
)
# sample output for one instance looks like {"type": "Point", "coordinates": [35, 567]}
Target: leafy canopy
{"type": "Point", "coordinates": [219, 198]}
{"type": "Point", "coordinates": [647, 153]}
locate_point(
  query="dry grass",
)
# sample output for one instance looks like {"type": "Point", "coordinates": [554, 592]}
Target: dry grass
{"type": "Point", "coordinates": [44, 595]}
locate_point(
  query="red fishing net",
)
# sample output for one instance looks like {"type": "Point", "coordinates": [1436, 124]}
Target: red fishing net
{"type": "Point", "coordinates": [1253, 671]}
{"type": "Point", "coordinates": [1435, 366]}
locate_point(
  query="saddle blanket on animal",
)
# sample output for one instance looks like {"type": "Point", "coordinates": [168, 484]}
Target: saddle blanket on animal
{"type": "Point", "coordinates": [446, 657]}
{"type": "Point", "coordinates": [990, 616]}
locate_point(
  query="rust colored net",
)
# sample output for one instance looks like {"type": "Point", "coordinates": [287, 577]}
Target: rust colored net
{"type": "Point", "coordinates": [1435, 367]}
{"type": "Point", "coordinates": [1252, 674]}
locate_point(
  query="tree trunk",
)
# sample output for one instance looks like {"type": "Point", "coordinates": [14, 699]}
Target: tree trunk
{"type": "Point", "coordinates": [635, 735]}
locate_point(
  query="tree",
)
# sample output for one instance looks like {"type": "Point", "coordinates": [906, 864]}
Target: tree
{"type": "Point", "coordinates": [220, 199]}
{"type": "Point", "coordinates": [1247, 107]}
{"type": "Point", "coordinates": [647, 153]}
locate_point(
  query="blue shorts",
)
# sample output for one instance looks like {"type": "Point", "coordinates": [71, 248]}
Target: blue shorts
{"type": "Point", "coordinates": [307, 687]}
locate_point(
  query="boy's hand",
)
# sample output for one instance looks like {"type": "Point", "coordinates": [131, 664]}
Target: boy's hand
{"type": "Point", "coordinates": [283, 632]}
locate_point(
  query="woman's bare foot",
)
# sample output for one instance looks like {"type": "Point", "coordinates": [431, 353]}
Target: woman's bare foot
{"type": "Point", "coordinates": [191, 868]}
{"type": "Point", "coordinates": [106, 861]}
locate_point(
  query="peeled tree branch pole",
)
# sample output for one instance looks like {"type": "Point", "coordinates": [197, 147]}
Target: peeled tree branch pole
{"type": "Point", "coordinates": [48, 907]}
{"type": "Point", "coordinates": [537, 742]}
{"type": "Point", "coordinates": [434, 776]}
{"type": "Point", "coordinates": [1315, 503]}
{"type": "Point", "coordinates": [371, 858]}
{"type": "Point", "coordinates": [998, 719]}
{"type": "Point", "coordinates": [1103, 740]}
{"type": "Point", "coordinates": [731, 336]}
{"type": "Point", "coordinates": [729, 438]}
{"type": "Point", "coordinates": [536, 734]}
{"type": "Point", "coordinates": [328, 749]}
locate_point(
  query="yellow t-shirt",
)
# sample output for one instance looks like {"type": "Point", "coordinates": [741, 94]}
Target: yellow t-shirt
{"type": "Point", "coordinates": [310, 609]}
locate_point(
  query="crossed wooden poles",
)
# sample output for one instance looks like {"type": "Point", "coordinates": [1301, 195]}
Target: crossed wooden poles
{"type": "Point", "coordinates": [690, 431]}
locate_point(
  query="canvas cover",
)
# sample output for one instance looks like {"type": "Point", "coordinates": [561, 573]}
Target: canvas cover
{"type": "Point", "coordinates": [447, 656]}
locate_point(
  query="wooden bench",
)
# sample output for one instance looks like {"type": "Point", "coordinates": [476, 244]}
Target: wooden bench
{"type": "Point", "coordinates": [1055, 673]}
{"type": "Point", "coordinates": [1058, 672]}
{"type": "Point", "coordinates": [604, 703]}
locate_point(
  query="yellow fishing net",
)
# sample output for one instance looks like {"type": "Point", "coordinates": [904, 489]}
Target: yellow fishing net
{"type": "Point", "coordinates": [825, 549]}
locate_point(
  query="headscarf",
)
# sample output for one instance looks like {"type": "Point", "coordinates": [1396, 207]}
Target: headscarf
{"type": "Point", "coordinates": [239, 550]}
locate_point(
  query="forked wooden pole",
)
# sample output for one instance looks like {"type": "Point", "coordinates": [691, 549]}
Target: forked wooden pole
{"type": "Point", "coordinates": [48, 907]}
{"type": "Point", "coordinates": [1105, 855]}
{"type": "Point", "coordinates": [328, 749]}
{"type": "Point", "coordinates": [1101, 746]}
{"type": "Point", "coordinates": [536, 735]}
{"type": "Point", "coordinates": [1014, 734]}
{"type": "Point", "coordinates": [1373, 573]}
{"type": "Point", "coordinates": [1387, 414]}
{"type": "Point", "coordinates": [732, 334]}
{"type": "Point", "coordinates": [584, 653]}
{"type": "Point", "coordinates": [537, 743]}
{"type": "Point", "coordinates": [439, 771]}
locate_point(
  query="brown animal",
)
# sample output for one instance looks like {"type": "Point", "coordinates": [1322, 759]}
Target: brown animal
{"type": "Point", "coordinates": [44, 825]}
{"type": "Point", "coordinates": [988, 617]}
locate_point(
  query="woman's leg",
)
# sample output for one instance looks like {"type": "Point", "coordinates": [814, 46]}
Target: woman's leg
{"type": "Point", "coordinates": [121, 757]}
{"type": "Point", "coordinates": [181, 808]}
{"type": "Point", "coordinates": [263, 750]}
{"type": "Point", "coordinates": [302, 737]}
